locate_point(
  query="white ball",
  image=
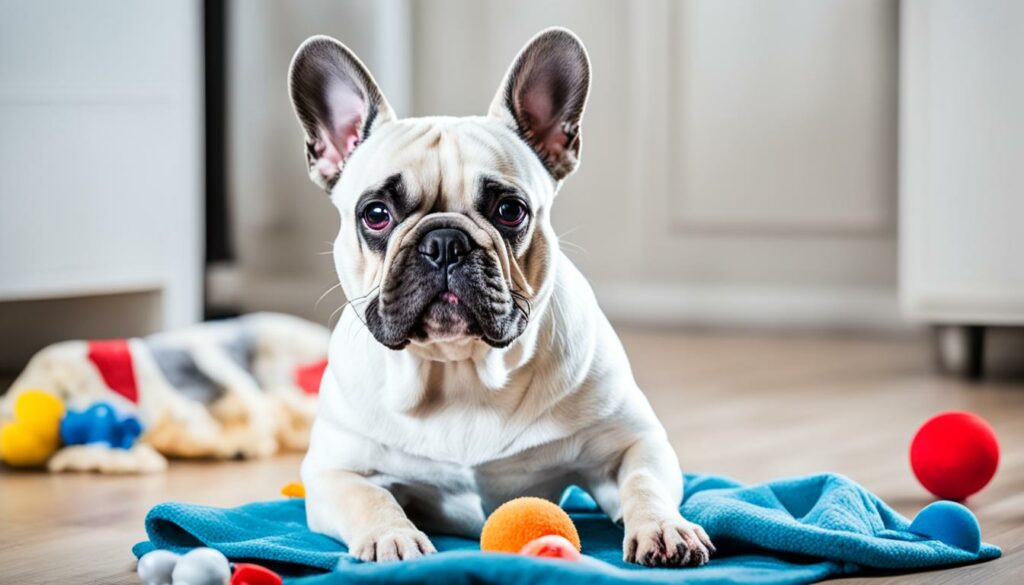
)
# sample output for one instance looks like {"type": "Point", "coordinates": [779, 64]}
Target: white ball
{"type": "Point", "coordinates": [155, 567]}
{"type": "Point", "coordinates": [202, 566]}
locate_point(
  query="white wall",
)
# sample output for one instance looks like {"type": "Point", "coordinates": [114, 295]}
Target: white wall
{"type": "Point", "coordinates": [739, 157]}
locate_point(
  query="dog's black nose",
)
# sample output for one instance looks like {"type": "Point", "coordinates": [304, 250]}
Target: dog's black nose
{"type": "Point", "coordinates": [445, 247]}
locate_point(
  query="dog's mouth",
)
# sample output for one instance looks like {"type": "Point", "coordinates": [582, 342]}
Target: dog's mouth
{"type": "Point", "coordinates": [422, 304]}
{"type": "Point", "coordinates": [445, 318]}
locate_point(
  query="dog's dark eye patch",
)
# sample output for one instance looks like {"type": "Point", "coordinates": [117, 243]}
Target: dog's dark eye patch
{"type": "Point", "coordinates": [491, 193]}
{"type": "Point", "coordinates": [393, 194]}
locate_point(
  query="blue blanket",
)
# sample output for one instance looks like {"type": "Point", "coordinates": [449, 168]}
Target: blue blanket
{"type": "Point", "coordinates": [787, 531]}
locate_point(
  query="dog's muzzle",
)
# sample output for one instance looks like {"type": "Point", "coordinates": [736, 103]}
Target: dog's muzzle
{"type": "Point", "coordinates": [444, 287]}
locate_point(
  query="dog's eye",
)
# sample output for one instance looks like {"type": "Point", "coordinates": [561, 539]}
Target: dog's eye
{"type": "Point", "coordinates": [510, 212]}
{"type": "Point", "coordinates": [376, 216]}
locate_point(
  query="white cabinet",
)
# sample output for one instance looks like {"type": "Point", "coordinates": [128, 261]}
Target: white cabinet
{"type": "Point", "coordinates": [962, 165]}
{"type": "Point", "coordinates": [101, 152]}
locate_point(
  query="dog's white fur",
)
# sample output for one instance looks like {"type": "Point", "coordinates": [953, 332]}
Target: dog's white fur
{"type": "Point", "coordinates": [447, 429]}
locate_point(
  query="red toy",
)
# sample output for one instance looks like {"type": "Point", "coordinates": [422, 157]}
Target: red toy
{"type": "Point", "coordinates": [954, 454]}
{"type": "Point", "coordinates": [308, 376]}
{"type": "Point", "coordinates": [249, 574]}
{"type": "Point", "coordinates": [551, 546]}
{"type": "Point", "coordinates": [113, 358]}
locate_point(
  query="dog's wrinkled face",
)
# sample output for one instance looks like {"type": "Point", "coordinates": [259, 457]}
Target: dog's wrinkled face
{"type": "Point", "coordinates": [445, 233]}
{"type": "Point", "coordinates": [445, 239]}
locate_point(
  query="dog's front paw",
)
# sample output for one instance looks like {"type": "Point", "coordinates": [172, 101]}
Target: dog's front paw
{"type": "Point", "coordinates": [392, 544]}
{"type": "Point", "coordinates": [667, 542]}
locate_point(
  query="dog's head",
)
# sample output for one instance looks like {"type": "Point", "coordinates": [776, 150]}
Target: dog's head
{"type": "Point", "coordinates": [445, 232]}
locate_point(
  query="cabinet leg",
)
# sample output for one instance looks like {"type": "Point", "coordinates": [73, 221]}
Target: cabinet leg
{"type": "Point", "coordinates": [961, 350]}
{"type": "Point", "coordinates": [974, 336]}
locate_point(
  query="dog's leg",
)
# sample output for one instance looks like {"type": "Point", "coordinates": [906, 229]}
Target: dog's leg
{"type": "Point", "coordinates": [365, 516]}
{"type": "Point", "coordinates": [650, 489]}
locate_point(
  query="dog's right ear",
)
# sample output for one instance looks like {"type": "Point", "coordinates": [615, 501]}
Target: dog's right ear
{"type": "Point", "coordinates": [337, 102]}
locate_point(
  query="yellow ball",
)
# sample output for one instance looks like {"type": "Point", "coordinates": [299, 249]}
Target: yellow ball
{"type": "Point", "coordinates": [21, 447]}
{"type": "Point", "coordinates": [519, 521]}
{"type": "Point", "coordinates": [40, 412]}
{"type": "Point", "coordinates": [34, 434]}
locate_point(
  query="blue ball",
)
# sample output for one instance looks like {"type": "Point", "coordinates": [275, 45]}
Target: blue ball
{"type": "Point", "coordinates": [949, 522]}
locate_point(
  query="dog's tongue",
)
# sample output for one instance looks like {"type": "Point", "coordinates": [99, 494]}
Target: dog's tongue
{"type": "Point", "coordinates": [450, 297]}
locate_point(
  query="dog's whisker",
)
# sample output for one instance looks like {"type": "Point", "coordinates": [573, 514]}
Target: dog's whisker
{"type": "Point", "coordinates": [520, 296]}
{"type": "Point", "coordinates": [361, 320]}
{"type": "Point", "coordinates": [330, 320]}
{"type": "Point", "coordinates": [326, 292]}
{"type": "Point", "coordinates": [573, 246]}
{"type": "Point", "coordinates": [571, 230]}
{"type": "Point", "coordinates": [353, 301]}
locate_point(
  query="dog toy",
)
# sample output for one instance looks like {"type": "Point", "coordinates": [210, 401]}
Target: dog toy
{"type": "Point", "coordinates": [294, 489]}
{"type": "Point", "coordinates": [235, 387]}
{"type": "Point", "coordinates": [100, 457]}
{"type": "Point", "coordinates": [308, 376]}
{"type": "Point", "coordinates": [34, 433]}
{"type": "Point", "coordinates": [551, 546]}
{"type": "Point", "coordinates": [155, 567]}
{"type": "Point", "coordinates": [100, 423]}
{"type": "Point", "coordinates": [950, 522]}
{"type": "Point", "coordinates": [954, 454]}
{"type": "Point", "coordinates": [201, 566]}
{"type": "Point", "coordinates": [518, 522]}
{"type": "Point", "coordinates": [249, 574]}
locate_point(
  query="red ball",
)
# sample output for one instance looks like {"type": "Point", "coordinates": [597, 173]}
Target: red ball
{"type": "Point", "coordinates": [551, 546]}
{"type": "Point", "coordinates": [954, 454]}
{"type": "Point", "coordinates": [249, 574]}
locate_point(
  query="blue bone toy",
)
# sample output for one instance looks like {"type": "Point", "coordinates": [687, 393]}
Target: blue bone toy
{"type": "Point", "coordinates": [100, 423]}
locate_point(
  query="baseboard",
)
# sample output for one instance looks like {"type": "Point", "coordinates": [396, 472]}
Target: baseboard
{"type": "Point", "coordinates": [756, 306]}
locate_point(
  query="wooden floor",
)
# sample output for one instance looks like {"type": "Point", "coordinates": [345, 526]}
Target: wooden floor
{"type": "Point", "coordinates": [753, 407]}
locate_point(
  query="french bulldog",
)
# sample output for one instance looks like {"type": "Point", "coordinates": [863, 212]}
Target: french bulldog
{"type": "Point", "coordinates": [472, 363]}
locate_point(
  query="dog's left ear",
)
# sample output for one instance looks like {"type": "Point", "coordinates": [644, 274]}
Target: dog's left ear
{"type": "Point", "coordinates": [543, 96]}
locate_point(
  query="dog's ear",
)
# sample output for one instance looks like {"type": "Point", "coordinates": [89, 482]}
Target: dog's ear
{"type": "Point", "coordinates": [337, 102]}
{"type": "Point", "coordinates": [543, 96]}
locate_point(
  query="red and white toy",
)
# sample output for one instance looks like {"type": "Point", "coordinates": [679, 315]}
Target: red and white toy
{"type": "Point", "coordinates": [239, 387]}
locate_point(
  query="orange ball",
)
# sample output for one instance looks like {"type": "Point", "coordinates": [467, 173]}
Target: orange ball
{"type": "Point", "coordinates": [517, 522]}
